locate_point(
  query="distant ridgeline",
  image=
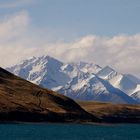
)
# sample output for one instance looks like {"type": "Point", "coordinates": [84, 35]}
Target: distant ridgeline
{"type": "Point", "coordinates": [80, 81]}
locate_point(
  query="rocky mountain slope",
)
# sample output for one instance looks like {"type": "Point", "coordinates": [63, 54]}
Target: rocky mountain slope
{"type": "Point", "coordinates": [80, 81]}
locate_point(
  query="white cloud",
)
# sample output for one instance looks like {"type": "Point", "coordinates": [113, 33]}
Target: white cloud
{"type": "Point", "coordinates": [121, 52]}
{"type": "Point", "coordinates": [14, 25]}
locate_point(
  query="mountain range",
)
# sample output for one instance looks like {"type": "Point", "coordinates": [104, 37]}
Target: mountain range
{"type": "Point", "coordinates": [22, 101]}
{"type": "Point", "coordinates": [80, 81]}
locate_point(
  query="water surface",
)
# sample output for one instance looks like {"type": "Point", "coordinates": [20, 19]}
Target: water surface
{"type": "Point", "coordinates": [69, 132]}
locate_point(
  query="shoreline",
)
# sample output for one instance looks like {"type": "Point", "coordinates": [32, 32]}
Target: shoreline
{"type": "Point", "coordinates": [68, 123]}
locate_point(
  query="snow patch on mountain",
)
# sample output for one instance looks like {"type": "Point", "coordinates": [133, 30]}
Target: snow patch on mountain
{"type": "Point", "coordinates": [107, 73]}
{"type": "Point", "coordinates": [123, 83]}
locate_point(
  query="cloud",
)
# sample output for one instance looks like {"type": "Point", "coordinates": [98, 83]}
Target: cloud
{"type": "Point", "coordinates": [15, 3]}
{"type": "Point", "coordinates": [15, 25]}
{"type": "Point", "coordinates": [13, 30]}
{"type": "Point", "coordinates": [18, 42]}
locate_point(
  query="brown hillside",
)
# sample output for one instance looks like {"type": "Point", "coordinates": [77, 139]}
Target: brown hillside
{"type": "Point", "coordinates": [113, 113]}
{"type": "Point", "coordinates": [21, 100]}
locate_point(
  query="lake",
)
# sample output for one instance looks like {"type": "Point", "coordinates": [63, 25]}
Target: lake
{"type": "Point", "coordinates": [69, 132]}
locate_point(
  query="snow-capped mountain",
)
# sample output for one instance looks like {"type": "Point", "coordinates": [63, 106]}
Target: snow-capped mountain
{"type": "Point", "coordinates": [80, 81]}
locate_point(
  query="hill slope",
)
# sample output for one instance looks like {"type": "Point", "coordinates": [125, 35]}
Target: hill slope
{"type": "Point", "coordinates": [112, 113]}
{"type": "Point", "coordinates": [21, 100]}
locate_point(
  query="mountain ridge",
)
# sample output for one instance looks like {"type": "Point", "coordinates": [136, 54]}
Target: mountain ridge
{"type": "Point", "coordinates": [67, 78]}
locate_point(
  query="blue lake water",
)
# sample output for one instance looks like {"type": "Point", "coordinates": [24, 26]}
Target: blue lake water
{"type": "Point", "coordinates": [69, 132]}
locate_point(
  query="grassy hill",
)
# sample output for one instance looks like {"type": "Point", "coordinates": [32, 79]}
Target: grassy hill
{"type": "Point", "coordinates": [21, 100]}
{"type": "Point", "coordinates": [113, 113]}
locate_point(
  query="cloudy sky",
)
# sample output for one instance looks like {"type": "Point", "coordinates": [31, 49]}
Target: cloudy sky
{"type": "Point", "coordinates": [105, 32]}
